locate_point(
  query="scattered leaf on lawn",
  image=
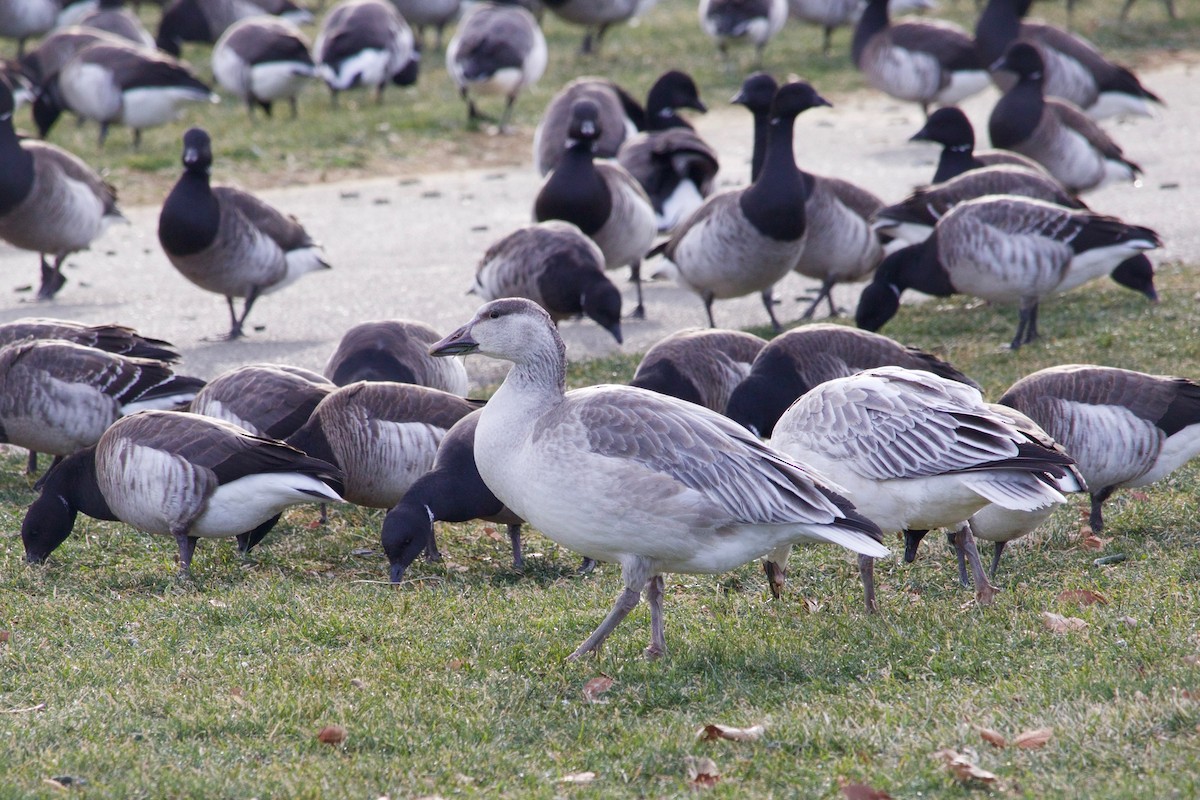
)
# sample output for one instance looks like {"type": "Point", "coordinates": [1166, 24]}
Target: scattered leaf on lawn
{"type": "Point", "coordinates": [714, 731]}
{"type": "Point", "coordinates": [1130, 621]}
{"type": "Point", "coordinates": [4, 636]}
{"type": "Point", "coordinates": [53, 784]}
{"type": "Point", "coordinates": [1032, 740]}
{"type": "Point", "coordinates": [963, 768]}
{"type": "Point", "coordinates": [1057, 623]}
{"type": "Point", "coordinates": [578, 777]}
{"type": "Point", "coordinates": [358, 683]}
{"type": "Point", "coordinates": [596, 687]}
{"type": "Point", "coordinates": [454, 664]}
{"type": "Point", "coordinates": [811, 605]}
{"type": "Point", "coordinates": [994, 738]}
{"type": "Point", "coordinates": [702, 772]}
{"type": "Point", "coordinates": [1141, 497]}
{"type": "Point", "coordinates": [493, 534]}
{"type": "Point", "coordinates": [1083, 597]}
{"type": "Point", "coordinates": [332, 734]}
{"type": "Point", "coordinates": [1193, 661]}
{"type": "Point", "coordinates": [1094, 542]}
{"type": "Point", "coordinates": [861, 791]}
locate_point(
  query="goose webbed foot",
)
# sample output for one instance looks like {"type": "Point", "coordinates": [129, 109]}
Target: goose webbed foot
{"type": "Point", "coordinates": [187, 548]}
{"type": "Point", "coordinates": [964, 541]}
{"type": "Point", "coordinates": [52, 279]}
{"type": "Point", "coordinates": [586, 567]}
{"type": "Point", "coordinates": [776, 577]}
{"type": "Point", "coordinates": [626, 602]}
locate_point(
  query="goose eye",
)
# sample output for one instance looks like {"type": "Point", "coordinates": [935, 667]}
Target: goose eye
{"type": "Point", "coordinates": [494, 315]}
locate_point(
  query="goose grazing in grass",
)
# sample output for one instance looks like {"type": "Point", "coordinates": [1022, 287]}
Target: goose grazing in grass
{"type": "Point", "coordinates": [921, 61]}
{"type": "Point", "coordinates": [394, 350]}
{"type": "Point", "coordinates": [113, 17]}
{"type": "Point", "coordinates": [556, 266]}
{"type": "Point", "coordinates": [1075, 70]}
{"type": "Point", "coordinates": [1124, 428]}
{"type": "Point", "coordinates": [701, 365]}
{"type": "Point", "coordinates": [271, 400]}
{"type": "Point", "coordinates": [795, 361]}
{"type": "Point", "coordinates": [496, 50]}
{"type": "Point", "coordinates": [111, 338]}
{"type": "Point", "coordinates": [915, 451]}
{"type": "Point", "coordinates": [181, 475]}
{"type": "Point", "coordinates": [50, 201]}
{"type": "Point", "coordinates": [603, 200]}
{"type": "Point", "coordinates": [950, 128]}
{"type": "Point", "coordinates": [657, 484]}
{"type": "Point", "coordinates": [205, 20]}
{"type": "Point", "coordinates": [261, 60]}
{"type": "Point", "coordinates": [754, 22]}
{"type": "Point", "coordinates": [746, 240]}
{"type": "Point", "coordinates": [422, 14]}
{"type": "Point", "coordinates": [52, 52]}
{"type": "Point", "coordinates": [365, 43]}
{"type": "Point", "coordinates": [1007, 249]}
{"type": "Point", "coordinates": [228, 241]}
{"type": "Point", "coordinates": [597, 16]}
{"type": "Point", "coordinates": [1052, 132]}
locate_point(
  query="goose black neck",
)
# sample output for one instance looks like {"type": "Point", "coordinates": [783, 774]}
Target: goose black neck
{"type": "Point", "coordinates": [190, 216]}
{"type": "Point", "coordinates": [917, 267]}
{"type": "Point", "coordinates": [873, 20]}
{"type": "Point", "coordinates": [16, 178]}
{"type": "Point", "coordinates": [1017, 113]}
{"type": "Point", "coordinates": [762, 129]}
{"type": "Point", "coordinates": [998, 26]}
{"type": "Point", "coordinates": [954, 161]}
{"type": "Point", "coordinates": [575, 192]}
{"type": "Point", "coordinates": [774, 203]}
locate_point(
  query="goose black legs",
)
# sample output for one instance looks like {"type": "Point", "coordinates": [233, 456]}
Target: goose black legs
{"type": "Point", "coordinates": [52, 278]}
{"type": "Point", "coordinates": [1096, 518]}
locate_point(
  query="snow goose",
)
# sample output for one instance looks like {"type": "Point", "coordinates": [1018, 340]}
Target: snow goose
{"type": "Point", "coordinates": [57, 397]}
{"type": "Point", "coordinates": [181, 475]}
{"type": "Point", "coordinates": [839, 246]}
{"type": "Point", "coordinates": [1010, 250]}
{"type": "Point", "coordinates": [272, 400]}
{"type": "Point", "coordinates": [755, 22]}
{"type": "Point", "coordinates": [1124, 428]}
{"type": "Point", "coordinates": [950, 128]}
{"type": "Point", "coordinates": [657, 484]}
{"type": "Point", "coordinates": [429, 13]}
{"type": "Point", "coordinates": [364, 43]}
{"type": "Point", "coordinates": [496, 49]}
{"type": "Point", "coordinates": [556, 266]}
{"type": "Point", "coordinates": [921, 61]}
{"type": "Point", "coordinates": [701, 365]}
{"type": "Point", "coordinates": [597, 16]}
{"type": "Point", "coordinates": [834, 14]}
{"type": "Point", "coordinates": [261, 60]}
{"type": "Point", "coordinates": [112, 17]}
{"type": "Point", "coordinates": [228, 241]}
{"type": "Point", "coordinates": [50, 201]}
{"type": "Point", "coordinates": [603, 200]}
{"type": "Point", "coordinates": [1075, 69]}
{"type": "Point", "coordinates": [111, 338]}
{"type": "Point", "coordinates": [382, 435]}
{"type": "Point", "coordinates": [1054, 133]}
{"type": "Point", "coordinates": [796, 361]}
{"type": "Point", "coordinates": [915, 451]}
{"type": "Point", "coordinates": [394, 350]}
{"type": "Point", "coordinates": [745, 240]}
{"type": "Point", "coordinates": [20, 19]}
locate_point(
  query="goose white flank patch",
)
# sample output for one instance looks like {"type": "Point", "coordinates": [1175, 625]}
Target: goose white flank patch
{"type": "Point", "coordinates": [56, 49]}
{"type": "Point", "coordinates": [181, 475]}
{"type": "Point", "coordinates": [262, 60]}
{"type": "Point", "coordinates": [394, 350]}
{"type": "Point", "coordinates": [228, 241]}
{"type": "Point", "coordinates": [597, 16]}
{"type": "Point", "coordinates": [701, 365]}
{"type": "Point", "coordinates": [21, 19]}
{"type": "Point", "coordinates": [754, 22]}
{"type": "Point", "coordinates": [914, 451]}
{"type": "Point", "coordinates": [950, 128]}
{"type": "Point", "coordinates": [657, 484]}
{"type": "Point", "coordinates": [272, 400]}
{"type": "Point", "coordinates": [496, 50]}
{"type": "Point", "coordinates": [365, 43]}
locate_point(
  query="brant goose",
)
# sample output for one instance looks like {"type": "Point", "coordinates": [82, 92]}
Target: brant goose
{"type": "Point", "coordinates": [498, 50]}
{"type": "Point", "coordinates": [394, 350]}
{"type": "Point", "coordinates": [365, 43]}
{"type": "Point", "coordinates": [261, 60]}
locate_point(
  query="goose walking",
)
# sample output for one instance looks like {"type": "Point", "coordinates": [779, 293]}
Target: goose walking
{"type": "Point", "coordinates": [496, 50]}
{"type": "Point", "coordinates": [365, 43]}
{"type": "Point", "coordinates": [657, 484]}
{"type": "Point", "coordinates": [394, 350]}
{"type": "Point", "coordinates": [597, 16]}
{"type": "Point", "coordinates": [754, 22]}
{"type": "Point", "coordinates": [262, 60]}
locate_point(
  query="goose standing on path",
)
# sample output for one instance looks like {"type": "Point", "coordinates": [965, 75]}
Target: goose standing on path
{"type": "Point", "coordinates": [701, 365]}
{"type": "Point", "coordinates": [657, 484]}
{"type": "Point", "coordinates": [753, 21]}
{"type": "Point", "coordinates": [394, 350]}
{"type": "Point", "coordinates": [950, 128]}
{"type": "Point", "coordinates": [50, 201]}
{"type": "Point", "coordinates": [602, 200]}
{"type": "Point", "coordinates": [261, 60]}
{"type": "Point", "coordinates": [746, 240]}
{"type": "Point", "coordinates": [364, 43]}
{"type": "Point", "coordinates": [1054, 133]}
{"type": "Point", "coordinates": [597, 16]}
{"type": "Point", "coordinates": [498, 50]}
{"type": "Point", "coordinates": [228, 241]}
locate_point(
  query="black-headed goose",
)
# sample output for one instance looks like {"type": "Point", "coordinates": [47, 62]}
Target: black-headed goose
{"type": "Point", "coordinates": [556, 266]}
{"type": "Point", "coordinates": [743, 241]}
{"type": "Point", "coordinates": [1124, 428]}
{"type": "Point", "coordinates": [701, 365]}
{"type": "Point", "coordinates": [382, 435]}
{"type": "Point", "coordinates": [111, 338]}
{"type": "Point", "coordinates": [182, 475]}
{"type": "Point", "coordinates": [796, 361]}
{"type": "Point", "coordinates": [394, 350]}
{"type": "Point", "coordinates": [915, 451]}
{"type": "Point", "coordinates": [21, 19]}
{"type": "Point", "coordinates": [205, 20]}
{"type": "Point", "coordinates": [496, 50]}
{"type": "Point", "coordinates": [50, 201]}
{"type": "Point", "coordinates": [422, 14]}
{"type": "Point", "coordinates": [57, 397]}
{"type": "Point", "coordinates": [1075, 69]}
{"type": "Point", "coordinates": [754, 22]}
{"type": "Point", "coordinates": [120, 84]}
{"type": "Point", "coordinates": [602, 199]}
{"type": "Point", "coordinates": [1011, 250]}
{"type": "Point", "coordinates": [834, 14]}
{"type": "Point", "coordinates": [228, 241]}
{"type": "Point", "coordinates": [1052, 132]}
{"type": "Point", "coordinates": [648, 490]}
{"type": "Point", "coordinates": [597, 16]}
{"type": "Point", "coordinates": [272, 400]}
{"type": "Point", "coordinates": [112, 17]}
{"type": "Point", "coordinates": [950, 128]}
{"type": "Point", "coordinates": [364, 43]}
{"type": "Point", "coordinates": [921, 61]}
{"type": "Point", "coordinates": [261, 60]}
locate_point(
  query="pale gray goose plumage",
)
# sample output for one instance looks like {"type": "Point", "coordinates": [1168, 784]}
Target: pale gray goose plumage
{"type": "Point", "coordinates": [597, 16]}
{"type": "Point", "coordinates": [113, 17]}
{"type": "Point", "coordinates": [51, 202]}
{"type": "Point", "coordinates": [394, 350]}
{"type": "Point", "coordinates": [1011, 250]}
{"type": "Point", "coordinates": [496, 50]}
{"type": "Point", "coordinates": [21, 19]}
{"type": "Point", "coordinates": [45, 60]}
{"type": "Point", "coordinates": [701, 365]}
{"type": "Point", "coordinates": [436, 14]}
{"type": "Point", "coordinates": [1124, 428]}
{"type": "Point", "coordinates": [834, 14]}
{"type": "Point", "coordinates": [262, 60]}
{"type": "Point", "coordinates": [797, 360]}
{"type": "Point", "coordinates": [111, 338]}
{"type": "Point", "coordinates": [602, 199]}
{"type": "Point", "coordinates": [228, 241]}
{"type": "Point", "coordinates": [178, 474]}
{"type": "Point", "coordinates": [365, 43]}
{"type": "Point", "coordinates": [272, 400]}
{"type": "Point", "coordinates": [675, 167]}
{"type": "Point", "coordinates": [657, 484]}
{"type": "Point", "coordinates": [754, 22]}
{"type": "Point", "coordinates": [915, 451]}
{"type": "Point", "coordinates": [950, 128]}
{"type": "Point", "coordinates": [382, 435]}
{"type": "Point", "coordinates": [1056, 134]}
{"type": "Point", "coordinates": [556, 266]}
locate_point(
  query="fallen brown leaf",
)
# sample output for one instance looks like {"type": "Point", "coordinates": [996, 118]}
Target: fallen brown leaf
{"type": "Point", "coordinates": [1141, 497]}
{"type": "Point", "coordinates": [596, 687]}
{"type": "Point", "coordinates": [1093, 542]}
{"type": "Point", "coordinates": [702, 772]}
{"type": "Point", "coordinates": [963, 769]}
{"type": "Point", "coordinates": [578, 777]}
{"type": "Point", "coordinates": [714, 731]}
{"type": "Point", "coordinates": [4, 635]}
{"type": "Point", "coordinates": [1193, 661]}
{"type": "Point", "coordinates": [1032, 740]}
{"type": "Point", "coordinates": [994, 738]}
{"type": "Point", "coordinates": [1057, 623]}
{"type": "Point", "coordinates": [332, 734]}
{"type": "Point", "coordinates": [811, 605]}
{"type": "Point", "coordinates": [1083, 597]}
{"type": "Point", "coordinates": [861, 791]}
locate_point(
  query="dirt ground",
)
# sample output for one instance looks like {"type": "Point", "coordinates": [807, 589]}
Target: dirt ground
{"type": "Point", "coordinates": [407, 245]}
